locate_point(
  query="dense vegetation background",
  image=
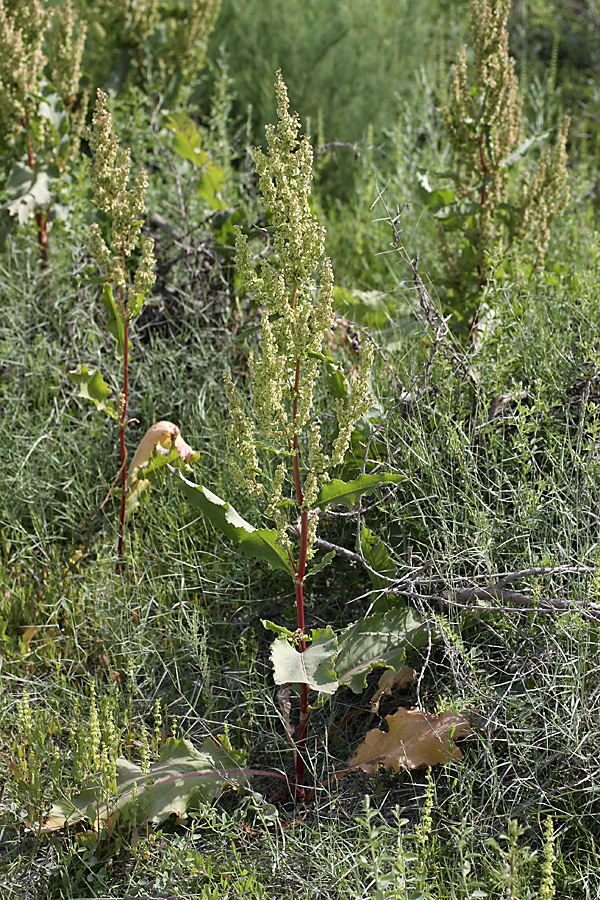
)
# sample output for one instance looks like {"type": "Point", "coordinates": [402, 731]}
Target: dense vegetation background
{"type": "Point", "coordinates": [486, 402]}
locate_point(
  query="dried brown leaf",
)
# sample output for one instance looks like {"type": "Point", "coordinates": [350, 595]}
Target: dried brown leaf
{"type": "Point", "coordinates": [389, 681]}
{"type": "Point", "coordinates": [415, 739]}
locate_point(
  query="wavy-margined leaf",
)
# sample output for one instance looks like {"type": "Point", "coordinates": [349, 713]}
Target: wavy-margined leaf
{"type": "Point", "coordinates": [348, 492]}
{"type": "Point", "coordinates": [257, 543]}
{"type": "Point", "coordinates": [181, 778]}
{"type": "Point", "coordinates": [314, 666]}
{"type": "Point", "coordinates": [378, 640]}
{"type": "Point", "coordinates": [115, 324]}
{"type": "Point", "coordinates": [93, 387]}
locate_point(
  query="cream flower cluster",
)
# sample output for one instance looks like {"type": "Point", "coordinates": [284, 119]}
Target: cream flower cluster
{"type": "Point", "coordinates": [125, 208]}
{"type": "Point", "coordinates": [22, 28]}
{"type": "Point", "coordinates": [297, 312]}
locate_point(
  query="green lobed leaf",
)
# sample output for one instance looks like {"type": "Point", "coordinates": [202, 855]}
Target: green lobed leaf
{"type": "Point", "coordinates": [348, 492]}
{"type": "Point", "coordinates": [93, 387]}
{"type": "Point", "coordinates": [255, 543]}
{"type": "Point", "coordinates": [182, 777]}
{"type": "Point", "coordinates": [314, 666]}
{"type": "Point", "coordinates": [378, 640]}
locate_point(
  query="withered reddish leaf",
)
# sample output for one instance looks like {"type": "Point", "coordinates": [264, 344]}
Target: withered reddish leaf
{"type": "Point", "coordinates": [390, 680]}
{"type": "Point", "coordinates": [415, 739]}
{"type": "Point", "coordinates": [184, 450]}
{"type": "Point", "coordinates": [162, 433]}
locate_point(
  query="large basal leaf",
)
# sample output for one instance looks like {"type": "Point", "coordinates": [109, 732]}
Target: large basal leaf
{"type": "Point", "coordinates": [378, 640]}
{"type": "Point", "coordinates": [414, 739]}
{"type": "Point", "coordinates": [348, 492]}
{"type": "Point", "coordinates": [182, 777]}
{"type": "Point", "coordinates": [314, 666]}
{"type": "Point", "coordinates": [93, 387]}
{"type": "Point", "coordinates": [255, 543]}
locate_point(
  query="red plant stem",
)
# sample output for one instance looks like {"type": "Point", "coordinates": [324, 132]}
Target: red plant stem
{"type": "Point", "coordinates": [122, 446]}
{"type": "Point", "coordinates": [299, 585]}
{"type": "Point", "coordinates": [303, 723]}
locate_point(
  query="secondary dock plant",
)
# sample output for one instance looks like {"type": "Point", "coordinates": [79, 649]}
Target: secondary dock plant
{"type": "Point", "coordinates": [42, 110]}
{"type": "Point", "coordinates": [496, 206]}
{"type": "Point", "coordinates": [279, 455]}
{"type": "Point", "coordinates": [125, 261]}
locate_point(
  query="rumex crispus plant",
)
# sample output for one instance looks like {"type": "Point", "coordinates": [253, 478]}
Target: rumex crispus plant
{"type": "Point", "coordinates": [279, 455]}
{"type": "Point", "coordinates": [159, 46]}
{"type": "Point", "coordinates": [495, 207]}
{"type": "Point", "coordinates": [127, 278]}
{"type": "Point", "coordinates": [41, 109]}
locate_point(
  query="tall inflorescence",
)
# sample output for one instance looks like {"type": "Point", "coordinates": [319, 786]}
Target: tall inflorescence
{"type": "Point", "coordinates": [66, 40]}
{"type": "Point", "coordinates": [483, 123]}
{"type": "Point", "coordinates": [544, 196]}
{"type": "Point", "coordinates": [296, 315]}
{"type": "Point", "coordinates": [125, 208]}
{"type": "Point", "coordinates": [132, 20]}
{"type": "Point", "coordinates": [187, 35]}
{"type": "Point", "coordinates": [22, 27]}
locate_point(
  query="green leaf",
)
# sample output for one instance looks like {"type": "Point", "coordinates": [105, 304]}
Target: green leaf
{"type": "Point", "coordinates": [314, 667]}
{"type": "Point", "coordinates": [321, 564]}
{"type": "Point", "coordinates": [181, 778]}
{"type": "Point", "coordinates": [187, 140]}
{"type": "Point", "coordinates": [348, 492]}
{"type": "Point", "coordinates": [255, 543]}
{"type": "Point", "coordinates": [457, 211]}
{"type": "Point", "coordinates": [519, 152]}
{"type": "Point", "coordinates": [372, 308]}
{"type": "Point", "coordinates": [93, 387]}
{"type": "Point", "coordinates": [378, 640]}
{"type": "Point", "coordinates": [115, 324]}
{"type": "Point", "coordinates": [279, 630]}
{"type": "Point", "coordinates": [246, 332]}
{"type": "Point", "coordinates": [52, 109]}
{"type": "Point", "coordinates": [377, 557]}
{"type": "Point", "coordinates": [211, 182]}
{"type": "Point", "coordinates": [28, 189]}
